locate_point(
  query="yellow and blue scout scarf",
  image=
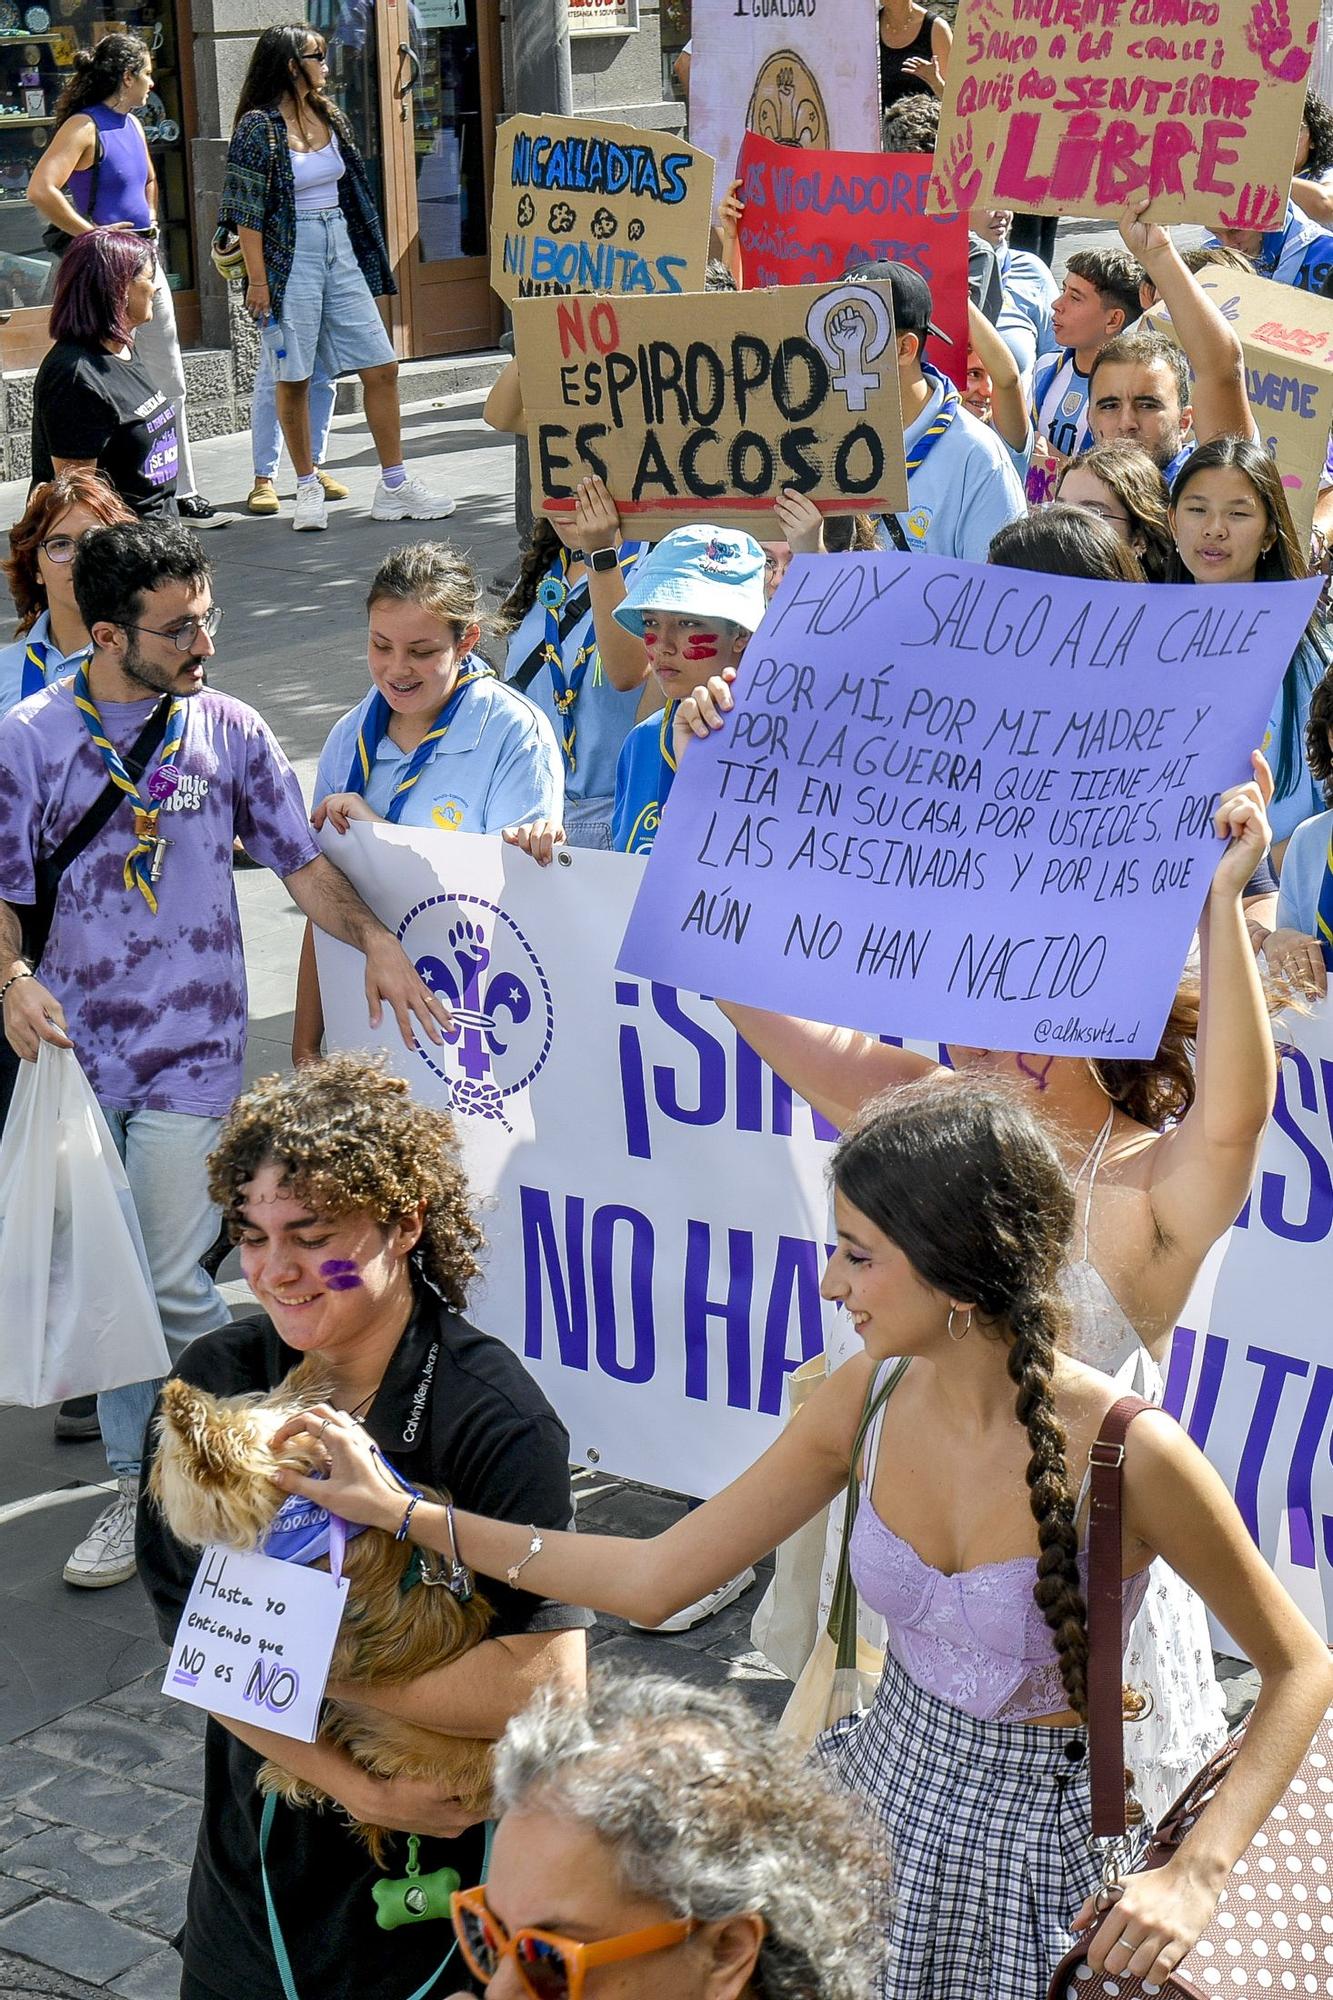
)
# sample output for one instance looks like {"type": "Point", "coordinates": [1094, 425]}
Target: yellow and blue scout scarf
{"type": "Point", "coordinates": [552, 592]}
{"type": "Point", "coordinates": [1323, 922]}
{"type": "Point", "coordinates": [939, 423]}
{"type": "Point", "coordinates": [36, 662]}
{"type": "Point", "coordinates": [160, 786]}
{"type": "Point", "coordinates": [650, 818]}
{"type": "Point", "coordinates": [371, 735]}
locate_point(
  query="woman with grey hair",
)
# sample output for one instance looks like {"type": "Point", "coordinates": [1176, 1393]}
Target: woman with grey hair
{"type": "Point", "coordinates": [663, 1834]}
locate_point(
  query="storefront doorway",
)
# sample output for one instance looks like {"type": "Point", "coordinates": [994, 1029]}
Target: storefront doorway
{"type": "Point", "coordinates": [420, 81]}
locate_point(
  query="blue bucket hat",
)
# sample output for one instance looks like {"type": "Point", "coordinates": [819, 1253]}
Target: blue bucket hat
{"type": "Point", "coordinates": [698, 572]}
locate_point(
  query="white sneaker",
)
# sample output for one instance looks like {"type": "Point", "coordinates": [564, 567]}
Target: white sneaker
{"type": "Point", "coordinates": [694, 1614]}
{"type": "Point", "coordinates": [409, 502]}
{"type": "Point", "coordinates": [106, 1553]}
{"type": "Point", "coordinates": [312, 509]}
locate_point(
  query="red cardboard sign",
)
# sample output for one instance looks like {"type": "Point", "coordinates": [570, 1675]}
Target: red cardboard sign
{"type": "Point", "coordinates": [811, 216]}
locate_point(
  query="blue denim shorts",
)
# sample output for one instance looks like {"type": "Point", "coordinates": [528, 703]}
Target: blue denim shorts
{"type": "Point", "coordinates": [327, 310]}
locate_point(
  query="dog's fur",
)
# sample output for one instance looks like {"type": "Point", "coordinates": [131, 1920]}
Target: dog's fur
{"type": "Point", "coordinates": [212, 1481]}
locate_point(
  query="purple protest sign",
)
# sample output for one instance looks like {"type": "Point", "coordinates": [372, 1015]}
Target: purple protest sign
{"type": "Point", "coordinates": [964, 804]}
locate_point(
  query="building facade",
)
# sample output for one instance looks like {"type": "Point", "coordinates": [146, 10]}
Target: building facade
{"type": "Point", "coordinates": [424, 83]}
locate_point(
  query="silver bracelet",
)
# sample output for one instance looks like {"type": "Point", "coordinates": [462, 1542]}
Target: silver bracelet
{"type": "Point", "coordinates": [535, 1547]}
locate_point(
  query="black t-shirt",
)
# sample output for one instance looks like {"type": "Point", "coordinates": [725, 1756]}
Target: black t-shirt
{"type": "Point", "coordinates": [455, 1409]}
{"type": "Point", "coordinates": [87, 403]}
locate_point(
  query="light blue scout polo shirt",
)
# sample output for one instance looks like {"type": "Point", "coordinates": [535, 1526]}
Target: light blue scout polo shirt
{"type": "Point", "coordinates": [643, 783]}
{"type": "Point", "coordinates": [603, 715]}
{"type": "Point", "coordinates": [1303, 874]}
{"type": "Point", "coordinates": [498, 765]}
{"type": "Point", "coordinates": [964, 493]}
{"type": "Point", "coordinates": [13, 660]}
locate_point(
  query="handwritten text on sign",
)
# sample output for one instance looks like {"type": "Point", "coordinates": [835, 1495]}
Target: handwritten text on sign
{"type": "Point", "coordinates": [811, 217]}
{"type": "Point", "coordinates": [255, 1641]}
{"type": "Point", "coordinates": [583, 207]}
{"type": "Point", "coordinates": [1075, 107]}
{"type": "Point", "coordinates": [963, 803]}
{"type": "Point", "coordinates": [705, 407]}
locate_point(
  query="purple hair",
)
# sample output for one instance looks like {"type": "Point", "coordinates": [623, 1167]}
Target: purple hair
{"type": "Point", "coordinates": [91, 299]}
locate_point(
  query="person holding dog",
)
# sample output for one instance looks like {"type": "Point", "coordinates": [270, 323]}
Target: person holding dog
{"type": "Point", "coordinates": [357, 1238]}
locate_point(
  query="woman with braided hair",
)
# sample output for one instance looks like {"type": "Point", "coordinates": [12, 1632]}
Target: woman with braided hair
{"type": "Point", "coordinates": [954, 1217]}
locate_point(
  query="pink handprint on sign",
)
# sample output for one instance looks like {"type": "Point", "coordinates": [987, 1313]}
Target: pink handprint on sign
{"type": "Point", "coordinates": [961, 181]}
{"type": "Point", "coordinates": [1268, 33]}
{"type": "Point", "coordinates": [1258, 206]}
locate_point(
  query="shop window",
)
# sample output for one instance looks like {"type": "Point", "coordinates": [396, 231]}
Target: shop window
{"type": "Point", "coordinates": [38, 44]}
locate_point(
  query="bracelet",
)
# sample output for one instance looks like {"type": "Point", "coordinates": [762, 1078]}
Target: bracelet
{"type": "Point", "coordinates": [13, 980]}
{"type": "Point", "coordinates": [406, 1521]}
{"type": "Point", "coordinates": [458, 1577]}
{"type": "Point", "coordinates": [535, 1547]}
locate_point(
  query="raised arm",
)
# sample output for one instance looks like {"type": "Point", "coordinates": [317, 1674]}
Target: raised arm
{"type": "Point", "coordinates": [503, 408]}
{"type": "Point", "coordinates": [1009, 405]}
{"type": "Point", "coordinates": [1221, 403]}
{"type": "Point", "coordinates": [595, 524]}
{"type": "Point", "coordinates": [1314, 201]}
{"type": "Point", "coordinates": [643, 1580]}
{"type": "Point", "coordinates": [1203, 1169]}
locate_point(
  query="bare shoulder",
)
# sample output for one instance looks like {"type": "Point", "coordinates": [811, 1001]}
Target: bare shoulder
{"type": "Point", "coordinates": [832, 1412]}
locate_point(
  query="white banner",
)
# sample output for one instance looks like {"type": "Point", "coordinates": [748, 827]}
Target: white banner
{"type": "Point", "coordinates": [656, 1213]}
{"type": "Point", "coordinates": [1251, 1370]}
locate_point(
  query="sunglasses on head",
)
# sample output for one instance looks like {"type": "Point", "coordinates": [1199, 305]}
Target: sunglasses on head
{"type": "Point", "coordinates": [550, 1967]}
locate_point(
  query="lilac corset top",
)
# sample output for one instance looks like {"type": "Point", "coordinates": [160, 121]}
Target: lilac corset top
{"type": "Point", "coordinates": [975, 1640]}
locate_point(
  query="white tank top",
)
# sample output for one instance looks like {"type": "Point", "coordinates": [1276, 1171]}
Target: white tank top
{"type": "Point", "coordinates": [317, 176]}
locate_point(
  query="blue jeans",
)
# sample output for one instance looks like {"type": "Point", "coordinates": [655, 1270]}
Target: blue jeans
{"type": "Point", "coordinates": [265, 431]}
{"type": "Point", "coordinates": [164, 1154]}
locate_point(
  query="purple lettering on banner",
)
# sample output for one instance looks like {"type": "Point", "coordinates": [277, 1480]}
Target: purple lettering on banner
{"type": "Point", "coordinates": [1276, 1369]}
{"type": "Point", "coordinates": [797, 1270]}
{"type": "Point", "coordinates": [1211, 1370]}
{"type": "Point", "coordinates": [1317, 1221]}
{"type": "Point", "coordinates": [1300, 1494]}
{"type": "Point", "coordinates": [546, 1276]}
{"type": "Point", "coordinates": [733, 1311]}
{"type": "Point", "coordinates": [643, 1354]}
{"type": "Point", "coordinates": [633, 1091]}
{"type": "Point", "coordinates": [1178, 1371]}
{"type": "Point", "coordinates": [901, 879]}
{"type": "Point", "coordinates": [711, 1093]}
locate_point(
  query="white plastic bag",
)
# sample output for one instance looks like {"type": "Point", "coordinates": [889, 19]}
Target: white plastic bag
{"type": "Point", "coordinates": [77, 1312]}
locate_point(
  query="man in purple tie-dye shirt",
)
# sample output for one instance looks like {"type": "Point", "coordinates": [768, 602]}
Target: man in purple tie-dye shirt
{"type": "Point", "coordinates": [143, 973]}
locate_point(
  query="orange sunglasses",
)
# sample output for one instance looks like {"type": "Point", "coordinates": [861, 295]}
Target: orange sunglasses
{"type": "Point", "coordinates": [551, 1967]}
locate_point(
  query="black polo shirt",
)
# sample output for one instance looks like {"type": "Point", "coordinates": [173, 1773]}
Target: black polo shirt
{"type": "Point", "coordinates": [456, 1409]}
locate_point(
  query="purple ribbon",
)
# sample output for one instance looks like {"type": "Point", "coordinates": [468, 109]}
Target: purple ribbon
{"type": "Point", "coordinates": [303, 1532]}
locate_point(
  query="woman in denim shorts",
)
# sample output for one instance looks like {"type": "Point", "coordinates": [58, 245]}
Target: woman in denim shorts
{"type": "Point", "coordinates": [298, 197]}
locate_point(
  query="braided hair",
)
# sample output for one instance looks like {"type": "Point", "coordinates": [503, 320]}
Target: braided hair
{"type": "Point", "coordinates": [543, 547]}
{"type": "Point", "coordinates": [957, 1172]}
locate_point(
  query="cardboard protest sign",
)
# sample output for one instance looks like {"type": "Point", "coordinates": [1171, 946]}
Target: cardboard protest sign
{"type": "Point", "coordinates": [583, 207]}
{"type": "Point", "coordinates": [811, 217]}
{"type": "Point", "coordinates": [1075, 107]}
{"type": "Point", "coordinates": [805, 75]}
{"type": "Point", "coordinates": [964, 803]}
{"type": "Point", "coordinates": [704, 408]}
{"type": "Point", "coordinates": [1287, 336]}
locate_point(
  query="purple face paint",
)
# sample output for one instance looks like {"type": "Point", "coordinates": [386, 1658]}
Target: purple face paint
{"type": "Point", "coordinates": [340, 1274]}
{"type": "Point", "coordinates": [1038, 1073]}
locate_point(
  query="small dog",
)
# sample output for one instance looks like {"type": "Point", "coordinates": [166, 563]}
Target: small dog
{"type": "Point", "coordinates": [212, 1481]}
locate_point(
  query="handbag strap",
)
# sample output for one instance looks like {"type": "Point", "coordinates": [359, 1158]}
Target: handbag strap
{"type": "Point", "coordinates": [842, 1616]}
{"type": "Point", "coordinates": [1106, 1723]}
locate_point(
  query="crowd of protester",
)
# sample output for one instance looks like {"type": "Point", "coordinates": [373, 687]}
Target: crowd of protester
{"type": "Point", "coordinates": [1008, 1242]}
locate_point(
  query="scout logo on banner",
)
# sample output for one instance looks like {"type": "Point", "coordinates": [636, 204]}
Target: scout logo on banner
{"type": "Point", "coordinates": [964, 803]}
{"type": "Point", "coordinates": [1200, 114]}
{"type": "Point", "coordinates": [1250, 1375]}
{"type": "Point", "coordinates": [659, 1277]}
{"type": "Point", "coordinates": [706, 407]}
{"type": "Point", "coordinates": [811, 217]}
{"type": "Point", "coordinates": [1288, 340]}
{"type": "Point", "coordinates": [802, 76]}
{"type": "Point", "coordinates": [581, 207]}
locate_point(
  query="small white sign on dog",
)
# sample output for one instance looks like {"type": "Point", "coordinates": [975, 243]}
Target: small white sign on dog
{"type": "Point", "coordinates": [255, 1641]}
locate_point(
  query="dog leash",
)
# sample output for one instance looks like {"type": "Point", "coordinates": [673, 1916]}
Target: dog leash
{"type": "Point", "coordinates": [280, 1955]}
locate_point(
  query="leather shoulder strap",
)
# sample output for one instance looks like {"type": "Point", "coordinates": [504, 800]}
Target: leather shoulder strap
{"type": "Point", "coordinates": [1106, 1729]}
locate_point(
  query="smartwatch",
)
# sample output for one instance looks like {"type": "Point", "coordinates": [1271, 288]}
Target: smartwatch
{"type": "Point", "coordinates": [602, 559]}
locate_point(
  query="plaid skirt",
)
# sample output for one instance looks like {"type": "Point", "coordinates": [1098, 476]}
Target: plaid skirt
{"type": "Point", "coordinates": [987, 1826]}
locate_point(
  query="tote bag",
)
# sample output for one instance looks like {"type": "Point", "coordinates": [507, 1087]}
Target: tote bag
{"type": "Point", "coordinates": [77, 1312]}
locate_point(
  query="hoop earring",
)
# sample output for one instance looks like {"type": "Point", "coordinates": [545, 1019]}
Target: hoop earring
{"type": "Point", "coordinates": [966, 1330]}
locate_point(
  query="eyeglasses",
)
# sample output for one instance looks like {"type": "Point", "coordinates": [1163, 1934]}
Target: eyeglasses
{"type": "Point", "coordinates": [1102, 513]}
{"type": "Point", "coordinates": [62, 548]}
{"type": "Point", "coordinates": [315, 55]}
{"type": "Point", "coordinates": [550, 1967]}
{"type": "Point", "coordinates": [183, 635]}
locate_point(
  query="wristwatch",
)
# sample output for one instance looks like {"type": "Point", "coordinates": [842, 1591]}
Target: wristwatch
{"type": "Point", "coordinates": [602, 559]}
